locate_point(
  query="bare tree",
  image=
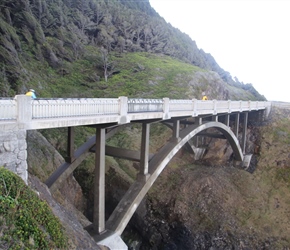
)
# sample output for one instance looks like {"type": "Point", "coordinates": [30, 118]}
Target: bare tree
{"type": "Point", "coordinates": [108, 66]}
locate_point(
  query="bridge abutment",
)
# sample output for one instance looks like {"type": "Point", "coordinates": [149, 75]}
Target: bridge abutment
{"type": "Point", "coordinates": [13, 150]}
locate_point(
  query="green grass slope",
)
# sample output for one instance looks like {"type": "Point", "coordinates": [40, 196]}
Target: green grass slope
{"type": "Point", "coordinates": [26, 222]}
{"type": "Point", "coordinates": [137, 75]}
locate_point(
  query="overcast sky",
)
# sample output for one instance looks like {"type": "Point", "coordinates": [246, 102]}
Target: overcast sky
{"type": "Point", "coordinates": [248, 38]}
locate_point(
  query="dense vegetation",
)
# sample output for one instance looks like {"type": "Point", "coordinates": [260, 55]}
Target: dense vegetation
{"type": "Point", "coordinates": [26, 222]}
{"type": "Point", "coordinates": [65, 47]}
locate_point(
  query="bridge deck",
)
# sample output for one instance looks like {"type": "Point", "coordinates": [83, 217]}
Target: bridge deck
{"type": "Point", "coordinates": [53, 113]}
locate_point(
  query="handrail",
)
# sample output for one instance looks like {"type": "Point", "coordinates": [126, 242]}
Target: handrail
{"type": "Point", "coordinates": [26, 109]}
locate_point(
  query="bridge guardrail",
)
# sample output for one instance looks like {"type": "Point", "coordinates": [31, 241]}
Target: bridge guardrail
{"type": "Point", "coordinates": [8, 109]}
{"type": "Point", "coordinates": [24, 109]}
{"type": "Point", "coordinates": [180, 105]}
{"type": "Point", "coordinates": [136, 105]}
{"type": "Point", "coordinates": [53, 108]}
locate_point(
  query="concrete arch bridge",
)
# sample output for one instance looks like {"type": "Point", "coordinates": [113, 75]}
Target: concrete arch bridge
{"type": "Point", "coordinates": [189, 119]}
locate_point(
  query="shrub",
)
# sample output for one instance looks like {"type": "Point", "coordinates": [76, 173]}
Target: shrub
{"type": "Point", "coordinates": [26, 222]}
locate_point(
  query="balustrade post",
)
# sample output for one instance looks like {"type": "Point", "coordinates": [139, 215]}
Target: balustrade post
{"type": "Point", "coordinates": [194, 108]}
{"type": "Point", "coordinates": [214, 107]}
{"type": "Point", "coordinates": [166, 114]}
{"type": "Point", "coordinates": [24, 109]}
{"type": "Point", "coordinates": [229, 106]}
{"type": "Point", "coordinates": [123, 110]}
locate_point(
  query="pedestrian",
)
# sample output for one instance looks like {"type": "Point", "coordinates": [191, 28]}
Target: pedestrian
{"type": "Point", "coordinates": [31, 93]}
{"type": "Point", "coordinates": [204, 97]}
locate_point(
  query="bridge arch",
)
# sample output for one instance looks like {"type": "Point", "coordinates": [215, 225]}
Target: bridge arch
{"type": "Point", "coordinates": [131, 200]}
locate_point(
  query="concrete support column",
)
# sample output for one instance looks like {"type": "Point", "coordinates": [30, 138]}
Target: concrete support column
{"type": "Point", "coordinates": [244, 138]}
{"type": "Point", "coordinates": [99, 182]}
{"type": "Point", "coordinates": [196, 138]}
{"type": "Point", "coordinates": [176, 129]}
{"type": "Point", "coordinates": [227, 120]}
{"type": "Point", "coordinates": [70, 145]}
{"type": "Point", "coordinates": [144, 154]}
{"type": "Point", "coordinates": [237, 122]}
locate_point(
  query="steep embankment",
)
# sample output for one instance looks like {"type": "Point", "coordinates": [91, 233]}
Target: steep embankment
{"type": "Point", "coordinates": [68, 204]}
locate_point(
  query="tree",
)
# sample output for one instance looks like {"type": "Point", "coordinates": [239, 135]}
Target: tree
{"type": "Point", "coordinates": [108, 66]}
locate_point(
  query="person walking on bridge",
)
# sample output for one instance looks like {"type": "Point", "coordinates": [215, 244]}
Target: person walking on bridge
{"type": "Point", "coordinates": [31, 93]}
{"type": "Point", "coordinates": [204, 97]}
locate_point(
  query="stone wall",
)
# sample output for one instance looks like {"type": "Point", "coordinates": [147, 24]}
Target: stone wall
{"type": "Point", "coordinates": [13, 150]}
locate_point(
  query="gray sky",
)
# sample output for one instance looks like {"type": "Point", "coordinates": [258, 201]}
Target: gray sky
{"type": "Point", "coordinates": [248, 38]}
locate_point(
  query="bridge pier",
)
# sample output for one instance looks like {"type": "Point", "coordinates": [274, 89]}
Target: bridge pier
{"type": "Point", "coordinates": [144, 154]}
{"type": "Point", "coordinates": [70, 145]}
{"type": "Point", "coordinates": [244, 135]}
{"type": "Point", "coordinates": [99, 181]}
{"type": "Point", "coordinates": [227, 120]}
{"type": "Point", "coordinates": [175, 130]}
{"type": "Point", "coordinates": [237, 123]}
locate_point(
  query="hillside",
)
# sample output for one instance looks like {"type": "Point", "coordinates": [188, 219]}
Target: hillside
{"type": "Point", "coordinates": [66, 47]}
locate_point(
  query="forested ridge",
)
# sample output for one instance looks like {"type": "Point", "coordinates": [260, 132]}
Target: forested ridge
{"type": "Point", "coordinates": [37, 35]}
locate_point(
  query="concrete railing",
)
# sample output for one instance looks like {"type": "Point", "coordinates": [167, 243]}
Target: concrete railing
{"type": "Point", "coordinates": [8, 109]}
{"type": "Point", "coordinates": [23, 109]}
{"type": "Point", "coordinates": [53, 108]}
